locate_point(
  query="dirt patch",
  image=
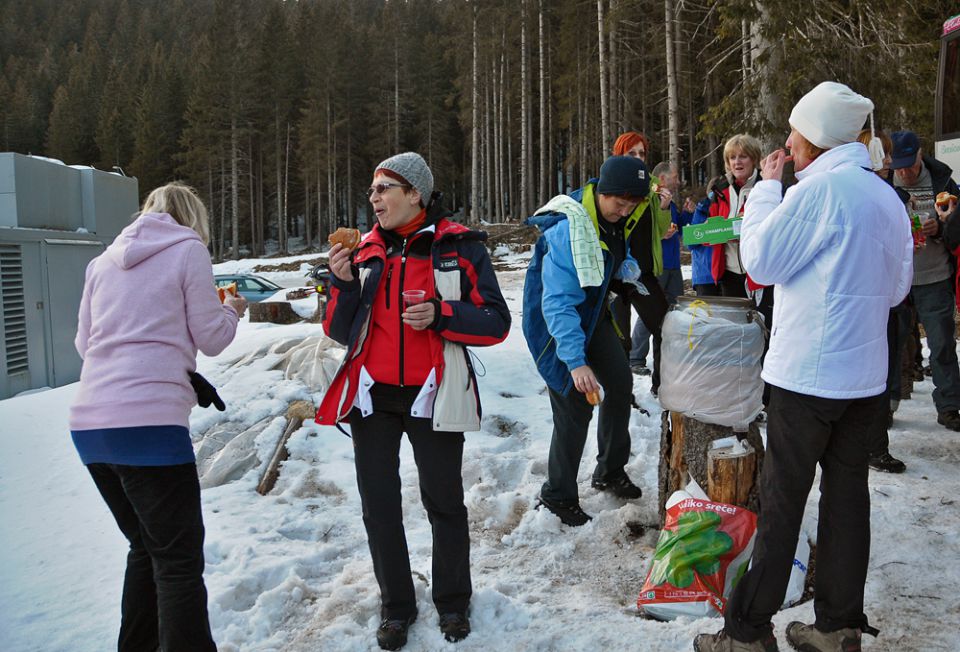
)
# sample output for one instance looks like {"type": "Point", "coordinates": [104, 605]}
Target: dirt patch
{"type": "Point", "coordinates": [292, 266]}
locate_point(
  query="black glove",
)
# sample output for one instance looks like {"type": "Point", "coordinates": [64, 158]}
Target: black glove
{"type": "Point", "coordinates": [206, 393]}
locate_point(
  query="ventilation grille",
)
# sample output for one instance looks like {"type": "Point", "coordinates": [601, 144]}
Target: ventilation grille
{"type": "Point", "coordinates": [14, 312]}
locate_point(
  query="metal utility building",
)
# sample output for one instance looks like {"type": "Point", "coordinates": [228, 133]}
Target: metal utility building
{"type": "Point", "coordinates": [54, 219]}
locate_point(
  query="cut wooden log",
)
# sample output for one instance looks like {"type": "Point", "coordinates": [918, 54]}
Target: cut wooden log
{"type": "Point", "coordinates": [684, 446]}
{"type": "Point", "coordinates": [297, 413]}
{"type": "Point", "coordinates": [730, 475]}
{"type": "Point", "coordinates": [274, 312]}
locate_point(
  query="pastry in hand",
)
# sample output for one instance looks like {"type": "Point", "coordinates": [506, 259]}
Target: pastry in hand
{"type": "Point", "coordinates": [347, 238]}
{"type": "Point", "coordinates": [227, 290]}
{"type": "Point", "coordinates": [944, 199]}
{"type": "Point", "coordinates": [593, 398]}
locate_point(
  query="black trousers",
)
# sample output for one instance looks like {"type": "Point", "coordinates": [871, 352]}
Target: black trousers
{"type": "Point", "coordinates": [733, 284]}
{"type": "Point", "coordinates": [164, 601]}
{"type": "Point", "coordinates": [572, 414]}
{"type": "Point", "coordinates": [804, 431]}
{"type": "Point", "coordinates": [439, 457]}
{"type": "Point", "coordinates": [651, 309]}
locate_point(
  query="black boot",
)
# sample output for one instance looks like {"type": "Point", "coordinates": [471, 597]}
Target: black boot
{"type": "Point", "coordinates": [392, 632]}
{"type": "Point", "coordinates": [455, 626]}
{"type": "Point", "coordinates": [886, 462]}
{"type": "Point", "coordinates": [569, 514]}
{"type": "Point", "coordinates": [620, 486]}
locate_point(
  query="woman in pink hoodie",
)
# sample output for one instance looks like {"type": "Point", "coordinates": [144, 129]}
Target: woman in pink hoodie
{"type": "Point", "coordinates": [148, 305]}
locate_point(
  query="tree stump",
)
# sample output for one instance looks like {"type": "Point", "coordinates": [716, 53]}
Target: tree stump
{"type": "Point", "coordinates": [730, 475]}
{"type": "Point", "coordinates": [274, 312]}
{"type": "Point", "coordinates": [685, 444]}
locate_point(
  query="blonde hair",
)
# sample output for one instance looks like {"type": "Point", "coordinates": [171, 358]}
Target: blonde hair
{"type": "Point", "coordinates": [182, 203]}
{"type": "Point", "coordinates": [744, 143]}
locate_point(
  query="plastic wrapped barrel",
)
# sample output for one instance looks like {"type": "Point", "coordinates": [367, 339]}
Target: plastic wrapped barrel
{"type": "Point", "coordinates": [710, 360]}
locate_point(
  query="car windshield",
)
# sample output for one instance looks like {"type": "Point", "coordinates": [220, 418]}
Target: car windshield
{"type": "Point", "coordinates": [267, 285]}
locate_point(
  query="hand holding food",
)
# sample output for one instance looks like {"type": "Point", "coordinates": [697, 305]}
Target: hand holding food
{"type": "Point", "coordinates": [945, 204]}
{"type": "Point", "coordinates": [238, 303]}
{"type": "Point", "coordinates": [593, 398]}
{"type": "Point", "coordinates": [227, 290]}
{"type": "Point", "coordinates": [347, 238]}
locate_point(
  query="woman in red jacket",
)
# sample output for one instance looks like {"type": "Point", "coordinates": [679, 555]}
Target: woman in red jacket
{"type": "Point", "coordinates": [741, 157]}
{"type": "Point", "coordinates": [407, 370]}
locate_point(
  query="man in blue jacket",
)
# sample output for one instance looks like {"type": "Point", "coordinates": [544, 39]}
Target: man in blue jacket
{"type": "Point", "coordinates": [596, 242]}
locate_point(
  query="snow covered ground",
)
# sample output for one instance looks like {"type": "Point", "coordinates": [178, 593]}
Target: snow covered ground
{"type": "Point", "coordinates": [291, 571]}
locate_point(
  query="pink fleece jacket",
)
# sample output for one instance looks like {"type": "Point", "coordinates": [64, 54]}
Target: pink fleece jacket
{"type": "Point", "coordinates": [148, 304]}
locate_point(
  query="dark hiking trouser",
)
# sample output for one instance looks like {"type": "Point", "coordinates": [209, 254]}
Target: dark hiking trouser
{"type": "Point", "coordinates": [651, 309]}
{"type": "Point", "coordinates": [439, 457]}
{"type": "Point", "coordinates": [671, 281]}
{"type": "Point", "coordinates": [803, 431]}
{"type": "Point", "coordinates": [572, 414]}
{"type": "Point", "coordinates": [164, 601]}
{"type": "Point", "coordinates": [935, 310]}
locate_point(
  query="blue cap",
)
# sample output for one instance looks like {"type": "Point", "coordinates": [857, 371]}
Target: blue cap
{"type": "Point", "coordinates": [624, 175]}
{"type": "Point", "coordinates": [905, 148]}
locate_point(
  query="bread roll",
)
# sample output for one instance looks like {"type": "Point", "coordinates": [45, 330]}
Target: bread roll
{"type": "Point", "coordinates": [226, 290]}
{"type": "Point", "coordinates": [347, 238]}
{"type": "Point", "coordinates": [593, 398]}
{"type": "Point", "coordinates": [944, 198]}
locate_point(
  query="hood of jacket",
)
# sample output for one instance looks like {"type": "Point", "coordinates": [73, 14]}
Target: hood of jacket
{"type": "Point", "coordinates": [148, 235]}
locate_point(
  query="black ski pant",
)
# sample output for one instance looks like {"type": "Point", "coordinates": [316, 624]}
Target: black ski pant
{"type": "Point", "coordinates": [572, 414]}
{"type": "Point", "coordinates": [804, 431]}
{"type": "Point", "coordinates": [439, 457]}
{"type": "Point", "coordinates": [651, 309]}
{"type": "Point", "coordinates": [164, 602]}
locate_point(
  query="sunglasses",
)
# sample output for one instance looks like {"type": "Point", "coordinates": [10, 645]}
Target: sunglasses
{"type": "Point", "coordinates": [381, 188]}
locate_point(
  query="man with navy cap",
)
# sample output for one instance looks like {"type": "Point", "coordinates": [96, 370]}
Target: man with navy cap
{"type": "Point", "coordinates": [596, 242]}
{"type": "Point", "coordinates": [923, 177]}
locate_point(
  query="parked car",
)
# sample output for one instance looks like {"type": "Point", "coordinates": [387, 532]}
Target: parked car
{"type": "Point", "coordinates": [252, 288]}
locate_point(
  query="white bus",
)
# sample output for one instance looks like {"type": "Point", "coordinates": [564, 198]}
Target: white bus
{"type": "Point", "coordinates": [947, 115]}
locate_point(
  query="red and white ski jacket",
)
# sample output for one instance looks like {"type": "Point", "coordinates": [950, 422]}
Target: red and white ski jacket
{"type": "Point", "coordinates": [472, 312]}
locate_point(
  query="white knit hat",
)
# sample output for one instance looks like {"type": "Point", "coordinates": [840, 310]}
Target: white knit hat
{"type": "Point", "coordinates": [830, 115]}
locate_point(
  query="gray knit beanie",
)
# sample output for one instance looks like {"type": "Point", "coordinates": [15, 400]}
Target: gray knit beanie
{"type": "Point", "coordinates": [414, 169]}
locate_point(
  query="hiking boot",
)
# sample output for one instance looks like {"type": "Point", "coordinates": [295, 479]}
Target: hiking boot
{"type": "Point", "coordinates": [640, 369]}
{"type": "Point", "coordinates": [807, 638]}
{"type": "Point", "coordinates": [392, 632]}
{"type": "Point", "coordinates": [455, 626]}
{"type": "Point", "coordinates": [569, 513]}
{"type": "Point", "coordinates": [886, 462]}
{"type": "Point", "coordinates": [720, 642]}
{"type": "Point", "coordinates": [620, 486]}
{"type": "Point", "coordinates": [949, 419]}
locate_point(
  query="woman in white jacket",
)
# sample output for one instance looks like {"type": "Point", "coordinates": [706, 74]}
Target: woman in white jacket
{"type": "Point", "coordinates": [839, 250]}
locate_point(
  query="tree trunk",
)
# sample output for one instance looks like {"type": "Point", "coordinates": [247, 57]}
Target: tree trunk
{"type": "Point", "coordinates": [475, 132]}
{"type": "Point", "coordinates": [684, 447]}
{"type": "Point", "coordinates": [604, 79]}
{"type": "Point", "coordinates": [524, 116]}
{"type": "Point", "coordinates": [278, 170]}
{"type": "Point", "coordinates": [544, 150]}
{"type": "Point", "coordinates": [768, 96]}
{"type": "Point", "coordinates": [253, 215]}
{"type": "Point", "coordinates": [673, 112]}
{"type": "Point", "coordinates": [235, 187]}
{"type": "Point", "coordinates": [488, 209]}
{"type": "Point", "coordinates": [286, 185]}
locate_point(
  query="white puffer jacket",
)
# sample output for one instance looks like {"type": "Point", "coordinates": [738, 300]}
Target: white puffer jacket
{"type": "Point", "coordinates": [838, 248]}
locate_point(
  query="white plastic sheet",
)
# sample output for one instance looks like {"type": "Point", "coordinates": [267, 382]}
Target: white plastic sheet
{"type": "Point", "coordinates": [710, 367]}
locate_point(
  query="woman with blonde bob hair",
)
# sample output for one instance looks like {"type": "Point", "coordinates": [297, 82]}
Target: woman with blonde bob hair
{"type": "Point", "coordinates": [148, 305]}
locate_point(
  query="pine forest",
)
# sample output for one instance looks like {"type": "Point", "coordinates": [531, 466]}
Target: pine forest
{"type": "Point", "coordinates": [278, 111]}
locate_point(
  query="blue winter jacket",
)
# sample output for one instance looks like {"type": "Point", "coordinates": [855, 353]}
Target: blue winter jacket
{"type": "Point", "coordinates": [701, 256]}
{"type": "Point", "coordinates": [671, 246]}
{"type": "Point", "coordinates": [559, 316]}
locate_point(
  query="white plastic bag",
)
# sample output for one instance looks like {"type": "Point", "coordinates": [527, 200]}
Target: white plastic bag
{"type": "Point", "coordinates": [798, 573]}
{"type": "Point", "coordinates": [710, 367]}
